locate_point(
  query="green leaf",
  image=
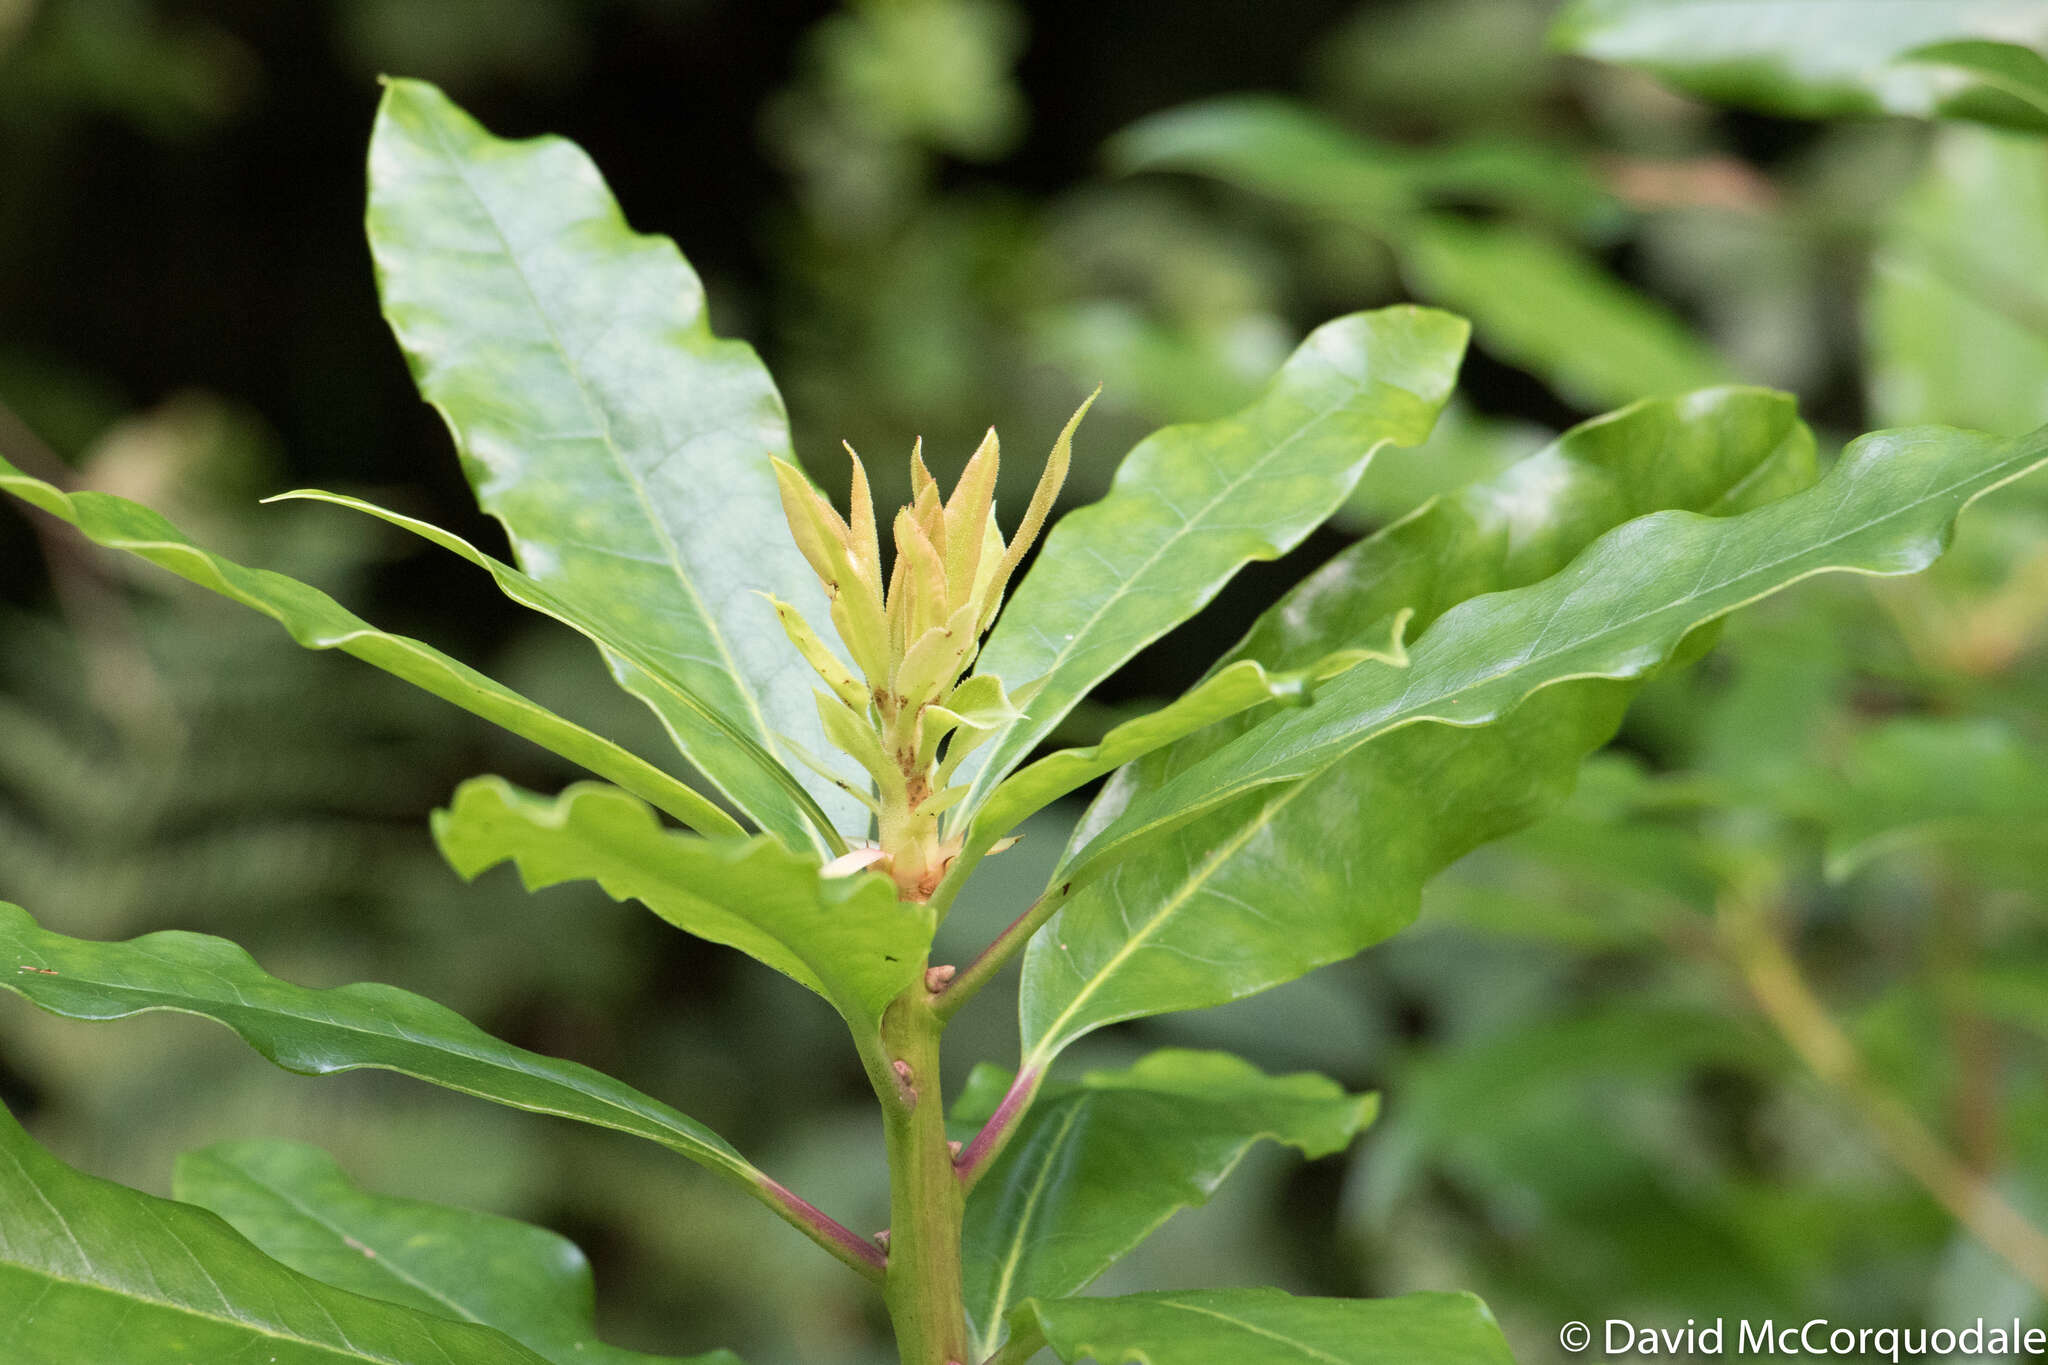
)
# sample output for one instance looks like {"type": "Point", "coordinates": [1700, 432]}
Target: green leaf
{"type": "Point", "coordinates": [1957, 308]}
{"type": "Point", "coordinates": [593, 623]}
{"type": "Point", "coordinates": [624, 447]}
{"type": "Point", "coordinates": [1618, 612]}
{"type": "Point", "coordinates": [1267, 1327]}
{"type": "Point", "coordinates": [1203, 918]}
{"type": "Point", "coordinates": [1230, 691]}
{"type": "Point", "coordinates": [321, 1032]}
{"type": "Point", "coordinates": [317, 621]}
{"type": "Point", "coordinates": [94, 1271]}
{"type": "Point", "coordinates": [1192, 505]}
{"type": "Point", "coordinates": [295, 1204]}
{"type": "Point", "coordinates": [848, 938]}
{"type": "Point", "coordinates": [2007, 68]}
{"type": "Point", "coordinates": [1548, 308]}
{"type": "Point", "coordinates": [1811, 58]}
{"type": "Point", "coordinates": [1097, 1167]}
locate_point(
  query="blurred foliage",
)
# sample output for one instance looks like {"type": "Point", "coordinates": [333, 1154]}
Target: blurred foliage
{"type": "Point", "coordinates": [933, 215]}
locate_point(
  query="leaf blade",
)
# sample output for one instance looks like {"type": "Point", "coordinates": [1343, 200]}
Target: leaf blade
{"type": "Point", "coordinates": [593, 410]}
{"type": "Point", "coordinates": [1097, 1167]}
{"type": "Point", "coordinates": [317, 621]}
{"type": "Point", "coordinates": [849, 939]}
{"type": "Point", "coordinates": [1887, 508]}
{"type": "Point", "coordinates": [295, 1204]}
{"type": "Point", "coordinates": [90, 1270]}
{"type": "Point", "coordinates": [1438, 791]}
{"type": "Point", "coordinates": [320, 1032]}
{"type": "Point", "coordinates": [1121, 572]}
{"type": "Point", "coordinates": [1267, 1327]}
{"type": "Point", "coordinates": [1806, 58]}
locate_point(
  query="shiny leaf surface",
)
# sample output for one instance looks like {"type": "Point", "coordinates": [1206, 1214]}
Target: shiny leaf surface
{"type": "Point", "coordinates": [624, 447]}
{"type": "Point", "coordinates": [295, 1204]}
{"type": "Point", "coordinates": [1191, 505]}
{"type": "Point", "coordinates": [94, 1271]}
{"type": "Point", "coordinates": [1232, 690]}
{"type": "Point", "coordinates": [1267, 1327]}
{"type": "Point", "coordinates": [1618, 612]}
{"type": "Point", "coordinates": [1097, 1167]}
{"type": "Point", "coordinates": [317, 621]}
{"type": "Point", "coordinates": [1812, 58]}
{"type": "Point", "coordinates": [1354, 846]}
{"type": "Point", "coordinates": [321, 1032]}
{"type": "Point", "coordinates": [847, 938]}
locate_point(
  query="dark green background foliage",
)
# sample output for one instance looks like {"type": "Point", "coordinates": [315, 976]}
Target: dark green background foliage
{"type": "Point", "coordinates": [932, 215]}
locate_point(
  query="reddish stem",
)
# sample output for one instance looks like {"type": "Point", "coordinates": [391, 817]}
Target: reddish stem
{"type": "Point", "coordinates": [996, 1133]}
{"type": "Point", "coordinates": [843, 1242]}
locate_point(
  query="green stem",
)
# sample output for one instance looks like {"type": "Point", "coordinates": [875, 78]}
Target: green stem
{"type": "Point", "coordinates": [922, 1288]}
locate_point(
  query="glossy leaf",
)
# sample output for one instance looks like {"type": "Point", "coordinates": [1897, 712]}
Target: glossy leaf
{"type": "Point", "coordinates": [321, 1032]}
{"type": "Point", "coordinates": [1811, 58]}
{"type": "Point", "coordinates": [1267, 1327]}
{"type": "Point", "coordinates": [594, 625]}
{"type": "Point", "coordinates": [1353, 848]}
{"type": "Point", "coordinates": [1097, 1167]}
{"type": "Point", "coordinates": [848, 938]}
{"type": "Point", "coordinates": [94, 1271]}
{"type": "Point", "coordinates": [1618, 612]}
{"type": "Point", "coordinates": [1548, 308]}
{"type": "Point", "coordinates": [1231, 691]}
{"type": "Point", "coordinates": [1956, 314]}
{"type": "Point", "coordinates": [295, 1204]}
{"type": "Point", "coordinates": [1192, 505]}
{"type": "Point", "coordinates": [317, 621]}
{"type": "Point", "coordinates": [624, 447]}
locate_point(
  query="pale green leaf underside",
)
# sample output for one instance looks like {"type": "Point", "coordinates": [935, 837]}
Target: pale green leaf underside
{"type": "Point", "coordinates": [1191, 505]}
{"type": "Point", "coordinates": [320, 1032]}
{"type": "Point", "coordinates": [1811, 58]}
{"type": "Point", "coordinates": [1292, 877]}
{"type": "Point", "coordinates": [624, 447]}
{"type": "Point", "coordinates": [91, 1271]}
{"type": "Point", "coordinates": [1096, 1168]}
{"type": "Point", "coordinates": [317, 621]}
{"type": "Point", "coordinates": [848, 938]}
{"type": "Point", "coordinates": [1617, 612]}
{"type": "Point", "coordinates": [1267, 1327]}
{"type": "Point", "coordinates": [295, 1204]}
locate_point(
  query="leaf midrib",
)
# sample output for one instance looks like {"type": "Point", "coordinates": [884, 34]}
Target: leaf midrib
{"type": "Point", "coordinates": [1395, 718]}
{"type": "Point", "coordinates": [350, 1352]}
{"type": "Point", "coordinates": [999, 757]}
{"type": "Point", "coordinates": [1252, 1328]}
{"type": "Point", "coordinates": [384, 1260]}
{"type": "Point", "coordinates": [665, 1134]}
{"type": "Point", "coordinates": [1051, 1044]}
{"type": "Point", "coordinates": [604, 426]}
